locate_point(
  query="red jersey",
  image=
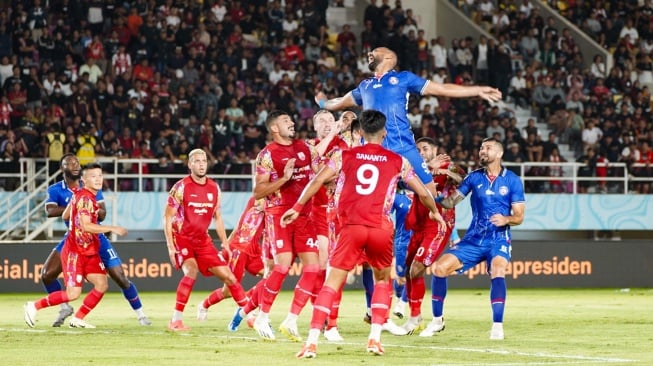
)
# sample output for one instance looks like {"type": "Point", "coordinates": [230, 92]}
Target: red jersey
{"type": "Point", "coordinates": [321, 198]}
{"type": "Point", "coordinates": [83, 203]}
{"type": "Point", "coordinates": [367, 184]}
{"type": "Point", "coordinates": [195, 205]}
{"type": "Point", "coordinates": [273, 158]}
{"type": "Point", "coordinates": [415, 220]}
{"type": "Point", "coordinates": [249, 229]}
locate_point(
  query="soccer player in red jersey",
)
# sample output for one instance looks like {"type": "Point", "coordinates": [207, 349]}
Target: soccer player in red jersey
{"type": "Point", "coordinates": [283, 168]}
{"type": "Point", "coordinates": [367, 180]}
{"type": "Point", "coordinates": [246, 255]}
{"type": "Point", "coordinates": [429, 239]}
{"type": "Point", "coordinates": [194, 202]}
{"type": "Point", "coordinates": [80, 255]}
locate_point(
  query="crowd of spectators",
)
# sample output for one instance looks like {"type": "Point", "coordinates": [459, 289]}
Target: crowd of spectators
{"type": "Point", "coordinates": [156, 78]}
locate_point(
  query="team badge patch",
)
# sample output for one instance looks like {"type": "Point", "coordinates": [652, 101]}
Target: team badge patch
{"type": "Point", "coordinates": [209, 196]}
{"type": "Point", "coordinates": [393, 80]}
{"type": "Point", "coordinates": [301, 156]}
{"type": "Point", "coordinates": [503, 190]}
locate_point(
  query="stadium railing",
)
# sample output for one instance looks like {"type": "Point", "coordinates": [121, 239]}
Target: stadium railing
{"type": "Point", "coordinates": [128, 175]}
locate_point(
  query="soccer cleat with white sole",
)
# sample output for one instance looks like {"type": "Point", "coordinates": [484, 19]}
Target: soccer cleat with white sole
{"type": "Point", "coordinates": [30, 314]}
{"type": "Point", "coordinates": [412, 326]}
{"type": "Point", "coordinates": [435, 326]}
{"type": "Point", "coordinates": [375, 347]}
{"type": "Point", "coordinates": [289, 329]}
{"type": "Point", "coordinates": [144, 321]}
{"type": "Point", "coordinates": [308, 351]}
{"type": "Point", "coordinates": [394, 329]}
{"type": "Point", "coordinates": [264, 330]}
{"type": "Point", "coordinates": [65, 312]}
{"type": "Point", "coordinates": [177, 326]}
{"type": "Point", "coordinates": [202, 312]}
{"type": "Point", "coordinates": [80, 323]}
{"type": "Point", "coordinates": [333, 335]}
{"type": "Point", "coordinates": [497, 331]}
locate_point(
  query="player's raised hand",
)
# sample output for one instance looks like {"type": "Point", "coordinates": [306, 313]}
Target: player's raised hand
{"type": "Point", "coordinates": [439, 159]}
{"type": "Point", "coordinates": [320, 97]}
{"type": "Point", "coordinates": [289, 169]}
{"type": "Point", "coordinates": [288, 217]}
{"type": "Point", "coordinates": [490, 94]}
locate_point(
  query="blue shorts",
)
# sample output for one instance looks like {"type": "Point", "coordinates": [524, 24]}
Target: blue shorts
{"type": "Point", "coordinates": [471, 254]}
{"type": "Point", "coordinates": [108, 254]}
{"type": "Point", "coordinates": [421, 169]}
{"type": "Point", "coordinates": [401, 206]}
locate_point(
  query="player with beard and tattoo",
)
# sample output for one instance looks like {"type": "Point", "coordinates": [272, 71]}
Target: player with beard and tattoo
{"type": "Point", "coordinates": [59, 195]}
{"type": "Point", "coordinates": [497, 203]}
{"type": "Point", "coordinates": [388, 91]}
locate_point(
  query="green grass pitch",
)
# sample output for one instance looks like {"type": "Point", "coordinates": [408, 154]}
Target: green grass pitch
{"type": "Point", "coordinates": [542, 327]}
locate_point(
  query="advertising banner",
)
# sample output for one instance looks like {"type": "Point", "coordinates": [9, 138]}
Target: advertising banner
{"type": "Point", "coordinates": [573, 264]}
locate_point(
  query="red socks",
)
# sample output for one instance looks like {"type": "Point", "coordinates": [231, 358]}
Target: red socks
{"type": "Point", "coordinates": [183, 292]}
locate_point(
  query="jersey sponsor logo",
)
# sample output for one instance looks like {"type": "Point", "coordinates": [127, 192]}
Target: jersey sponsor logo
{"type": "Point", "coordinates": [376, 86]}
{"type": "Point", "coordinates": [489, 192]}
{"type": "Point", "coordinates": [503, 190]}
{"type": "Point", "coordinates": [393, 80]}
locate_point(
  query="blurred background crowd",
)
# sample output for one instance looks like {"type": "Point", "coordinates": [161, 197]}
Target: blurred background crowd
{"type": "Point", "coordinates": [157, 78]}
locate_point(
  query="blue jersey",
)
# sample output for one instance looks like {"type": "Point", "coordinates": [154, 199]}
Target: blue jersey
{"type": "Point", "coordinates": [389, 95]}
{"type": "Point", "coordinates": [489, 198]}
{"type": "Point", "coordinates": [60, 194]}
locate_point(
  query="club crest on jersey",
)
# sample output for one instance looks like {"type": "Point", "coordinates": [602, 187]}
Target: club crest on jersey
{"type": "Point", "coordinates": [209, 196]}
{"type": "Point", "coordinates": [393, 80]}
{"type": "Point", "coordinates": [503, 190]}
{"type": "Point", "coordinates": [301, 156]}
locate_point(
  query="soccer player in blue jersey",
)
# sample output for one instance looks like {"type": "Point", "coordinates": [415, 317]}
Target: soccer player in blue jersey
{"type": "Point", "coordinates": [59, 194]}
{"type": "Point", "coordinates": [497, 204]}
{"type": "Point", "coordinates": [387, 91]}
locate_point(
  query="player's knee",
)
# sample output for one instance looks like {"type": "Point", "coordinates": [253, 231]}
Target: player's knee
{"type": "Point", "coordinates": [73, 293]}
{"type": "Point", "coordinates": [440, 271]}
{"type": "Point", "coordinates": [119, 277]}
{"type": "Point", "coordinates": [230, 280]}
{"type": "Point", "coordinates": [48, 275]}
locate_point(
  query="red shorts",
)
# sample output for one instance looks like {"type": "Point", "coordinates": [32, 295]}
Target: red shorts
{"type": "Point", "coordinates": [298, 237]}
{"type": "Point", "coordinates": [76, 267]}
{"type": "Point", "coordinates": [355, 240]}
{"type": "Point", "coordinates": [426, 246]}
{"type": "Point", "coordinates": [239, 262]}
{"type": "Point", "coordinates": [200, 249]}
{"type": "Point", "coordinates": [319, 221]}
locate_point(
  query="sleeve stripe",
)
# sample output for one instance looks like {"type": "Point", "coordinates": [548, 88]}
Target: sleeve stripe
{"type": "Point", "coordinates": [421, 92]}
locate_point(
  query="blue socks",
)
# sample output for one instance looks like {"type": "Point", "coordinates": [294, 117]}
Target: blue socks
{"type": "Point", "coordinates": [498, 298]}
{"type": "Point", "coordinates": [54, 286]}
{"type": "Point", "coordinates": [131, 294]}
{"type": "Point", "coordinates": [368, 283]}
{"type": "Point", "coordinates": [438, 293]}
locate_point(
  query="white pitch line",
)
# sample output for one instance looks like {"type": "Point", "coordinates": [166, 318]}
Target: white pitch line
{"type": "Point", "coordinates": [571, 359]}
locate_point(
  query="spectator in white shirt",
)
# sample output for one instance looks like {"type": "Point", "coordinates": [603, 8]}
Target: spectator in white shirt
{"type": "Point", "coordinates": [438, 53]}
{"type": "Point", "coordinates": [591, 135]}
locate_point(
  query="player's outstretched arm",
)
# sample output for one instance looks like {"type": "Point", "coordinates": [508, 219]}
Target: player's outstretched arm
{"type": "Point", "coordinates": [459, 91]}
{"type": "Point", "coordinates": [427, 199]}
{"type": "Point", "coordinates": [451, 201]}
{"type": "Point", "coordinates": [325, 174]}
{"type": "Point", "coordinates": [88, 226]}
{"type": "Point", "coordinates": [335, 104]}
